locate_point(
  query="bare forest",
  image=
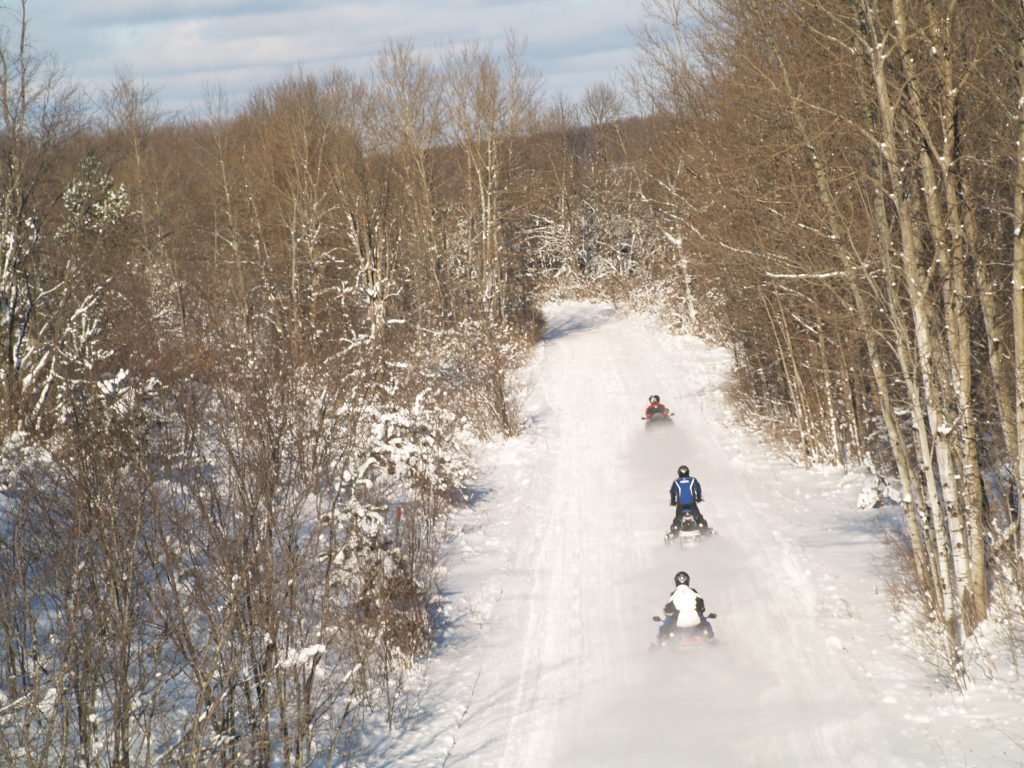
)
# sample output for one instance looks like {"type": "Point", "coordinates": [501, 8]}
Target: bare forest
{"type": "Point", "coordinates": [246, 354]}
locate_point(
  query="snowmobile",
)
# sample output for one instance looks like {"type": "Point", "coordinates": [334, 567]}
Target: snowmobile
{"type": "Point", "coordinates": [658, 419]}
{"type": "Point", "coordinates": [688, 533]}
{"type": "Point", "coordinates": [657, 412]}
{"type": "Point", "coordinates": [684, 638]}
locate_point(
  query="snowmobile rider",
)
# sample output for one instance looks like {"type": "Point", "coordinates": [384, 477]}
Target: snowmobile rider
{"type": "Point", "coordinates": [684, 495]}
{"type": "Point", "coordinates": [685, 608]}
{"type": "Point", "coordinates": [655, 407]}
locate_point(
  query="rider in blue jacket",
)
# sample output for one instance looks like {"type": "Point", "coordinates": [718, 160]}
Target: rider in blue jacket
{"type": "Point", "coordinates": [684, 495]}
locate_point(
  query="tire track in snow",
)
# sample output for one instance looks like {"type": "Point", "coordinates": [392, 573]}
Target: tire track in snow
{"type": "Point", "coordinates": [560, 658]}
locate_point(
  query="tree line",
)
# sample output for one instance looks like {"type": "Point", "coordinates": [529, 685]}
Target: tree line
{"type": "Point", "coordinates": [845, 183]}
{"type": "Point", "coordinates": [245, 356]}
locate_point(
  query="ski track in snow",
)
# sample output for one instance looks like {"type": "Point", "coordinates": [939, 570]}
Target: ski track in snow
{"type": "Point", "coordinates": [559, 567]}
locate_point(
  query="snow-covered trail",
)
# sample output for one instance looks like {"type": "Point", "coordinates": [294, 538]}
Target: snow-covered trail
{"type": "Point", "coordinates": [562, 566]}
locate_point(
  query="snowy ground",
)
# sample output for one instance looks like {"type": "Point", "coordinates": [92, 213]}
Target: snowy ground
{"type": "Point", "coordinates": [556, 572]}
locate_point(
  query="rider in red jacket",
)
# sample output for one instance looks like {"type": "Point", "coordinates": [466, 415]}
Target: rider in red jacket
{"type": "Point", "coordinates": [655, 407]}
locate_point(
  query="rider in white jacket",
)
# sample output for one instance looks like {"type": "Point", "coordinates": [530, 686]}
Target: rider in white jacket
{"type": "Point", "coordinates": [685, 609]}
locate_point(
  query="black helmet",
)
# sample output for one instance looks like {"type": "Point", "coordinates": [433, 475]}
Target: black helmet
{"type": "Point", "coordinates": [682, 578]}
{"type": "Point", "coordinates": [653, 399]}
{"type": "Point", "coordinates": [684, 471]}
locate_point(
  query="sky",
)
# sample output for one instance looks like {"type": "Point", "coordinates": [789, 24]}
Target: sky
{"type": "Point", "coordinates": [180, 48]}
{"type": "Point", "coordinates": [556, 570]}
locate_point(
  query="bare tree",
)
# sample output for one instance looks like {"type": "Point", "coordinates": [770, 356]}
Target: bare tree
{"type": "Point", "coordinates": [38, 114]}
{"type": "Point", "coordinates": [491, 105]}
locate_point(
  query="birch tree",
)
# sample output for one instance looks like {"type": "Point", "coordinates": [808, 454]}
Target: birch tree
{"type": "Point", "coordinates": [491, 105]}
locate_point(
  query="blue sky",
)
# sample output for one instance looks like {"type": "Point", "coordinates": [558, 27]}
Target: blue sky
{"type": "Point", "coordinates": [178, 47]}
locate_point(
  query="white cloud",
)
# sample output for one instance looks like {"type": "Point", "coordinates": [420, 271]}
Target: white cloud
{"type": "Point", "coordinates": [178, 46]}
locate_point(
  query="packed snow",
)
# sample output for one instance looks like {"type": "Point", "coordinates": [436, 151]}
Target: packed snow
{"type": "Point", "coordinates": [557, 568]}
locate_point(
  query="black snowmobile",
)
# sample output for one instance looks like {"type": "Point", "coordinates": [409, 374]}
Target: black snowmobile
{"type": "Point", "coordinates": [687, 533]}
{"type": "Point", "coordinates": [659, 419]}
{"type": "Point", "coordinates": [684, 638]}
